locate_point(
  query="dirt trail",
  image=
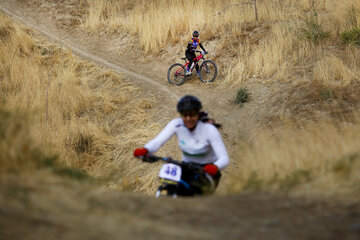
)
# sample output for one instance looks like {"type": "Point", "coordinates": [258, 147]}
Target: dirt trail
{"type": "Point", "coordinates": [73, 46]}
{"type": "Point", "coordinates": [145, 71]}
{"type": "Point", "coordinates": [87, 212]}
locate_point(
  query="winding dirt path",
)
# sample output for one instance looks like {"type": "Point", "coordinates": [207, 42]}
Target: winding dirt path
{"type": "Point", "coordinates": [71, 45]}
{"type": "Point", "coordinates": [147, 72]}
{"type": "Point", "coordinates": [85, 212]}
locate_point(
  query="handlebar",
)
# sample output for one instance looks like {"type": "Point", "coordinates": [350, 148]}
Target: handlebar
{"type": "Point", "coordinates": [198, 51]}
{"type": "Point", "coordinates": [153, 158]}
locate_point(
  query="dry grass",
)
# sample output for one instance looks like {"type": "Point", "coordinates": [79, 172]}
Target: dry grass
{"type": "Point", "coordinates": [292, 42]}
{"type": "Point", "coordinates": [87, 116]}
{"type": "Point", "coordinates": [318, 160]}
{"type": "Point", "coordinates": [18, 152]}
{"type": "Point", "coordinates": [95, 119]}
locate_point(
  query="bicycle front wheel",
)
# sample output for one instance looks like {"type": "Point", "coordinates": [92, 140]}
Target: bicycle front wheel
{"type": "Point", "coordinates": [176, 74]}
{"type": "Point", "coordinates": [208, 71]}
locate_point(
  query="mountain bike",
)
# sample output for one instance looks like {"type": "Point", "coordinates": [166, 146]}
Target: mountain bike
{"type": "Point", "coordinates": [182, 178]}
{"type": "Point", "coordinates": [208, 70]}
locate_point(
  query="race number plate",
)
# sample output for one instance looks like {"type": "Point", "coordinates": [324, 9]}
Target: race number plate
{"type": "Point", "coordinates": [171, 172]}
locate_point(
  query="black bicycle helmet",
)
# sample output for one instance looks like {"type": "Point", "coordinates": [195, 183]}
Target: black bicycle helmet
{"type": "Point", "coordinates": [189, 103]}
{"type": "Point", "coordinates": [195, 33]}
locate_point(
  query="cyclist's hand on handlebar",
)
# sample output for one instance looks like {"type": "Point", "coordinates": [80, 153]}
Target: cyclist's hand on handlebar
{"type": "Point", "coordinates": [141, 152]}
{"type": "Point", "coordinates": [211, 169]}
{"type": "Point", "coordinates": [205, 52]}
{"type": "Point", "coordinates": [168, 159]}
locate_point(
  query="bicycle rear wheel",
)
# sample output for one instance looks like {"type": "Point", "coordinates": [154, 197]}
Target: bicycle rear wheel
{"type": "Point", "coordinates": [176, 74]}
{"type": "Point", "coordinates": [208, 71]}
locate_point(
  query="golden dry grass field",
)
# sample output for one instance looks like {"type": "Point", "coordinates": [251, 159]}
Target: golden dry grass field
{"type": "Point", "coordinates": [296, 43]}
{"type": "Point", "coordinates": [64, 116]}
{"type": "Point", "coordinates": [85, 115]}
{"type": "Point", "coordinates": [294, 46]}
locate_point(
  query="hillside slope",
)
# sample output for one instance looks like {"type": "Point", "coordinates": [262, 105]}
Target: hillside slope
{"type": "Point", "coordinates": [53, 208]}
{"type": "Point", "coordinates": [49, 207]}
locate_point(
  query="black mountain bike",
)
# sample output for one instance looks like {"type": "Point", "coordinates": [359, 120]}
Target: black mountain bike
{"type": "Point", "coordinates": [182, 179]}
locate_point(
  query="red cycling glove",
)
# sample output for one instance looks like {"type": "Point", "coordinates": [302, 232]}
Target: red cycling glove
{"type": "Point", "coordinates": [211, 169]}
{"type": "Point", "coordinates": [140, 152]}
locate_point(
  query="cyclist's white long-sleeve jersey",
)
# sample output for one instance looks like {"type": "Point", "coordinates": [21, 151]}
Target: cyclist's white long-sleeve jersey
{"type": "Point", "coordinates": [203, 145]}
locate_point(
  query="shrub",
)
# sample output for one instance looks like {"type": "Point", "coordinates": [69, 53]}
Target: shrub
{"type": "Point", "coordinates": [242, 96]}
{"type": "Point", "coordinates": [351, 36]}
{"type": "Point", "coordinates": [295, 178]}
{"type": "Point", "coordinates": [312, 30]}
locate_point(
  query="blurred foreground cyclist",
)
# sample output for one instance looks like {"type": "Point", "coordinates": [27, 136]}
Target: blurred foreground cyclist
{"type": "Point", "coordinates": [198, 138]}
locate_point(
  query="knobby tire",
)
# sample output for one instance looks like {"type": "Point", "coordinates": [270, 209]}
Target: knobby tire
{"type": "Point", "coordinates": [208, 71]}
{"type": "Point", "coordinates": [176, 74]}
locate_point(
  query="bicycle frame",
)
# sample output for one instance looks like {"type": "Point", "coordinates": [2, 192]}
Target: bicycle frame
{"type": "Point", "coordinates": [195, 61]}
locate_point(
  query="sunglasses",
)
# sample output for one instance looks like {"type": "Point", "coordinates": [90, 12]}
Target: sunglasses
{"type": "Point", "coordinates": [189, 114]}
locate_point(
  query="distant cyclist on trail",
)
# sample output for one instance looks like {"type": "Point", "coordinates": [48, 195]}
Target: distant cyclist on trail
{"type": "Point", "coordinates": [190, 51]}
{"type": "Point", "coordinates": [198, 138]}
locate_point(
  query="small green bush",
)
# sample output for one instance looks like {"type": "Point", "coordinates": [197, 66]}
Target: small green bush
{"type": "Point", "coordinates": [351, 36]}
{"type": "Point", "coordinates": [326, 94]}
{"type": "Point", "coordinates": [73, 173]}
{"type": "Point", "coordinates": [242, 96]}
{"type": "Point", "coordinates": [345, 165]}
{"type": "Point", "coordinates": [253, 183]}
{"type": "Point", "coordinates": [296, 178]}
{"type": "Point", "coordinates": [312, 30]}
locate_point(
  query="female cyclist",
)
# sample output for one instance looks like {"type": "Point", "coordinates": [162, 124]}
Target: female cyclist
{"type": "Point", "coordinates": [198, 139]}
{"type": "Point", "coordinates": [190, 51]}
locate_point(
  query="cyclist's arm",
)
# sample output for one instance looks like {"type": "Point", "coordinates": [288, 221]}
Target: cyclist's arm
{"type": "Point", "coordinates": [202, 47]}
{"type": "Point", "coordinates": [219, 148]}
{"type": "Point", "coordinates": [162, 137]}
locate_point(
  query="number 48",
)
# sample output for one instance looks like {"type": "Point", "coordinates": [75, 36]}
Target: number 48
{"type": "Point", "coordinates": [171, 171]}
